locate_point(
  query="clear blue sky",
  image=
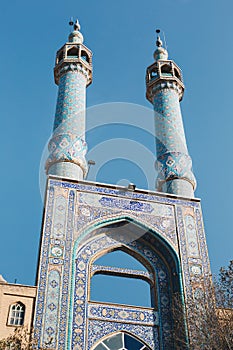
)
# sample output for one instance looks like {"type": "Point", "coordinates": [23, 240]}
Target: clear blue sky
{"type": "Point", "coordinates": [121, 35]}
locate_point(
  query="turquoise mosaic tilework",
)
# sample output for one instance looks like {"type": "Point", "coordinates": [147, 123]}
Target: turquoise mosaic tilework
{"type": "Point", "coordinates": [71, 103]}
{"type": "Point", "coordinates": [74, 230]}
{"type": "Point", "coordinates": [68, 141]}
{"type": "Point", "coordinates": [173, 160]}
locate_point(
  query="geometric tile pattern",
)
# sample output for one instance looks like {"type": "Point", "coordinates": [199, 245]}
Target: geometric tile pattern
{"type": "Point", "coordinates": [191, 236]}
{"type": "Point", "coordinates": [129, 314]}
{"type": "Point", "coordinates": [52, 309]}
{"type": "Point", "coordinates": [75, 229]}
{"type": "Point", "coordinates": [173, 160]}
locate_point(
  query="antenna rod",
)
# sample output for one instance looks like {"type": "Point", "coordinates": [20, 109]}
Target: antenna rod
{"type": "Point", "coordinates": [164, 38]}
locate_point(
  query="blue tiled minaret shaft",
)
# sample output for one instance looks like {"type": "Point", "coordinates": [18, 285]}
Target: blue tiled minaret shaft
{"type": "Point", "coordinates": [165, 90]}
{"type": "Point", "coordinates": [72, 73]}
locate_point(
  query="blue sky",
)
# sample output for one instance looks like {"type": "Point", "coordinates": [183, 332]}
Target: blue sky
{"type": "Point", "coordinates": [121, 35]}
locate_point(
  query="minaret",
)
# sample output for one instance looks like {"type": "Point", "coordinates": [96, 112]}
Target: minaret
{"type": "Point", "coordinates": [165, 90]}
{"type": "Point", "coordinates": [72, 73]}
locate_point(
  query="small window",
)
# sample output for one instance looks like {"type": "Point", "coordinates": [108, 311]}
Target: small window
{"type": "Point", "coordinates": [154, 74]}
{"type": "Point", "coordinates": [73, 52]}
{"type": "Point", "coordinates": [177, 74]}
{"type": "Point", "coordinates": [166, 70]}
{"type": "Point", "coordinates": [16, 314]}
{"type": "Point", "coordinates": [85, 56]}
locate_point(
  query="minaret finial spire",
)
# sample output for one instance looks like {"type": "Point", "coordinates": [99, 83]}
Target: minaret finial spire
{"type": "Point", "coordinates": [75, 35]}
{"type": "Point", "coordinates": [77, 25]}
{"type": "Point", "coordinates": [159, 42]}
{"type": "Point", "coordinates": [160, 52]}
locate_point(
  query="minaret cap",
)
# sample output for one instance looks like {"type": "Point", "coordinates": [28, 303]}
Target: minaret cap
{"type": "Point", "coordinates": [75, 36]}
{"type": "Point", "coordinates": [160, 53]}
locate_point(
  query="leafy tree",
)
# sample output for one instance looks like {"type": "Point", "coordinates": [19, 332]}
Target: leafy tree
{"type": "Point", "coordinates": [21, 339]}
{"type": "Point", "coordinates": [209, 320]}
{"type": "Point", "coordinates": [224, 287]}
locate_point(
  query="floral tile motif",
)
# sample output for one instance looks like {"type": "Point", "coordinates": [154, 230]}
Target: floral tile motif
{"type": "Point", "coordinates": [127, 314]}
{"type": "Point", "coordinates": [173, 160]}
{"type": "Point", "coordinates": [71, 217]}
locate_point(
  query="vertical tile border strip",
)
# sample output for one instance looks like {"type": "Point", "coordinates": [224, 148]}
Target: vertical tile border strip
{"type": "Point", "coordinates": [52, 309]}
{"type": "Point", "coordinates": [66, 272]}
{"type": "Point", "coordinates": [44, 254]}
{"type": "Point", "coordinates": [183, 252]}
{"type": "Point", "coordinates": [203, 245]}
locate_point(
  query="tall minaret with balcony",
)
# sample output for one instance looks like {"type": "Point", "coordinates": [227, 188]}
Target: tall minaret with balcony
{"type": "Point", "coordinates": [72, 73]}
{"type": "Point", "coordinates": [165, 90]}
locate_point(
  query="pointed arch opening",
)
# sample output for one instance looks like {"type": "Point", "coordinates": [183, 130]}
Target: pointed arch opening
{"type": "Point", "coordinates": [116, 276]}
{"type": "Point", "coordinates": [161, 265]}
{"type": "Point", "coordinates": [166, 70]}
{"type": "Point", "coordinates": [154, 73]}
{"type": "Point", "coordinates": [85, 56]}
{"type": "Point", "coordinates": [177, 74]}
{"type": "Point", "coordinates": [73, 52]}
{"type": "Point", "coordinates": [16, 314]}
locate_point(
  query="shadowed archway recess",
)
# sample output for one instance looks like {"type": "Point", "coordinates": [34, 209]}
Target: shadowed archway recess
{"type": "Point", "coordinates": [124, 230]}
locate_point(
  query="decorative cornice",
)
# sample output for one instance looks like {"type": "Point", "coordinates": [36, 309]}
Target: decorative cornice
{"type": "Point", "coordinates": [72, 67]}
{"type": "Point", "coordinates": [167, 84]}
{"type": "Point", "coordinates": [67, 148]}
{"type": "Point", "coordinates": [175, 166]}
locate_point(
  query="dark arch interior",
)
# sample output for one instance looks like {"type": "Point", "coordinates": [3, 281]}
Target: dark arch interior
{"type": "Point", "coordinates": [177, 73]}
{"type": "Point", "coordinates": [85, 56]}
{"type": "Point", "coordinates": [166, 70]}
{"type": "Point", "coordinates": [73, 52]}
{"type": "Point", "coordinates": [120, 258]}
{"type": "Point", "coordinates": [127, 230]}
{"type": "Point", "coordinates": [154, 73]}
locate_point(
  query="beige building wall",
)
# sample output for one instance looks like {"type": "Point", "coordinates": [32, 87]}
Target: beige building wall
{"type": "Point", "coordinates": [11, 294]}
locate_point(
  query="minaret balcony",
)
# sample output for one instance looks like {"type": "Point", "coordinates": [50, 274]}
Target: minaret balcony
{"type": "Point", "coordinates": [76, 57]}
{"type": "Point", "coordinates": [161, 74]}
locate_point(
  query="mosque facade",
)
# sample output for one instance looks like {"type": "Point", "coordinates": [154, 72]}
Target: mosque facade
{"type": "Point", "coordinates": [84, 222]}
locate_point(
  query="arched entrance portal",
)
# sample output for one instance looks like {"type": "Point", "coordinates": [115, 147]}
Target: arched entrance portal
{"type": "Point", "coordinates": [120, 341]}
{"type": "Point", "coordinates": [92, 319]}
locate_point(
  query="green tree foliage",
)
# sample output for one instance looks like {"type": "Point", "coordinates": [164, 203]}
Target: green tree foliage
{"type": "Point", "coordinates": [21, 339]}
{"type": "Point", "coordinates": [209, 321]}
